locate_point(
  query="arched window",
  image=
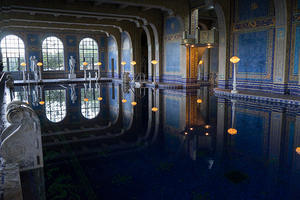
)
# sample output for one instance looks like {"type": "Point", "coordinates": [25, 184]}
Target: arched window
{"type": "Point", "coordinates": [53, 54]}
{"type": "Point", "coordinates": [90, 106]}
{"type": "Point", "coordinates": [88, 52]}
{"type": "Point", "coordinates": [55, 104]}
{"type": "Point", "coordinates": [13, 53]}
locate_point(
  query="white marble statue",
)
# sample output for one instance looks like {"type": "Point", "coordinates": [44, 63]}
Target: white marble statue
{"type": "Point", "coordinates": [72, 63]}
{"type": "Point", "coordinates": [21, 141]}
{"type": "Point", "coordinates": [34, 67]}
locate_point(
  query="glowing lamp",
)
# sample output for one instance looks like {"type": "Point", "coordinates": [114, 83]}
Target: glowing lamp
{"type": "Point", "coordinates": [298, 150]}
{"type": "Point", "coordinates": [185, 133]}
{"type": "Point", "coordinates": [191, 129]}
{"type": "Point", "coordinates": [99, 63]}
{"type": "Point", "coordinates": [206, 134]}
{"type": "Point", "coordinates": [100, 98]}
{"type": "Point", "coordinates": [123, 63]}
{"type": "Point", "coordinates": [27, 102]}
{"type": "Point", "coordinates": [192, 46]}
{"type": "Point", "coordinates": [209, 46]}
{"type": "Point", "coordinates": [42, 102]}
{"type": "Point", "coordinates": [23, 64]}
{"type": "Point", "coordinates": [199, 100]}
{"type": "Point", "coordinates": [154, 62]}
{"type": "Point", "coordinates": [39, 64]}
{"type": "Point", "coordinates": [124, 100]}
{"type": "Point", "coordinates": [235, 59]}
{"type": "Point", "coordinates": [154, 109]}
{"type": "Point", "coordinates": [85, 63]}
{"type": "Point", "coordinates": [207, 126]}
{"type": "Point", "coordinates": [232, 131]}
{"type": "Point", "coordinates": [133, 103]}
{"type": "Point", "coordinates": [85, 99]}
{"type": "Point", "coordinates": [133, 63]}
{"type": "Point", "coordinates": [186, 45]}
{"type": "Point", "coordinates": [200, 62]}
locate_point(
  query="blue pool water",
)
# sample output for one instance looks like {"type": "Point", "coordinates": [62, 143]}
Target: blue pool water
{"type": "Point", "coordinates": [112, 150]}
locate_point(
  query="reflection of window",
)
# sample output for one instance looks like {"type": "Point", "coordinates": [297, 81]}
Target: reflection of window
{"type": "Point", "coordinates": [55, 103]}
{"type": "Point", "coordinates": [13, 52]}
{"type": "Point", "coordinates": [53, 54]}
{"type": "Point", "coordinates": [88, 52]}
{"type": "Point", "coordinates": [90, 108]}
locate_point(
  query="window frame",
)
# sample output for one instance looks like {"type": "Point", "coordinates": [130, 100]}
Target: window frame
{"type": "Point", "coordinates": [82, 51]}
{"type": "Point", "coordinates": [58, 57]}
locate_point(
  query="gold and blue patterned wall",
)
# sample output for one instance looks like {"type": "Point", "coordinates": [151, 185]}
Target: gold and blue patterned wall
{"type": "Point", "coordinates": [173, 54]}
{"type": "Point", "coordinates": [112, 56]}
{"type": "Point", "coordinates": [126, 51]}
{"type": "Point", "coordinates": [253, 42]}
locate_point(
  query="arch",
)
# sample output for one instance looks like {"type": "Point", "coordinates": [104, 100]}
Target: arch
{"type": "Point", "coordinates": [55, 105]}
{"type": "Point", "coordinates": [113, 56]}
{"type": "Point", "coordinates": [222, 76]}
{"type": "Point", "coordinates": [88, 52]}
{"type": "Point", "coordinates": [53, 54]}
{"type": "Point", "coordinates": [127, 52]}
{"type": "Point", "coordinates": [157, 56]}
{"type": "Point", "coordinates": [13, 52]}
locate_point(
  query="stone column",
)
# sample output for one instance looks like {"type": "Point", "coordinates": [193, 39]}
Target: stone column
{"type": "Point", "coordinates": [206, 60]}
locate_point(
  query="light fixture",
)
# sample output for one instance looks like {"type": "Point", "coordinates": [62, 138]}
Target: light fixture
{"type": "Point", "coordinates": [206, 134]}
{"type": "Point", "coordinates": [133, 103]}
{"type": "Point", "coordinates": [100, 98]}
{"type": "Point", "coordinates": [185, 133]}
{"type": "Point", "coordinates": [298, 150]}
{"type": "Point", "coordinates": [199, 100]}
{"type": "Point", "coordinates": [209, 46]}
{"type": "Point", "coordinates": [232, 131]}
{"type": "Point", "coordinates": [133, 63]}
{"type": "Point", "coordinates": [192, 46]}
{"type": "Point", "coordinates": [191, 129]}
{"type": "Point", "coordinates": [99, 63]}
{"type": "Point", "coordinates": [39, 64]}
{"type": "Point", "coordinates": [154, 62]}
{"type": "Point", "coordinates": [154, 109]}
{"type": "Point", "coordinates": [124, 100]}
{"type": "Point", "coordinates": [200, 62]}
{"type": "Point", "coordinates": [235, 59]}
{"type": "Point", "coordinates": [23, 64]}
{"type": "Point", "coordinates": [85, 99]}
{"type": "Point", "coordinates": [207, 126]}
{"type": "Point", "coordinates": [42, 102]}
{"type": "Point", "coordinates": [85, 63]}
{"type": "Point", "coordinates": [123, 63]}
{"type": "Point", "coordinates": [186, 45]}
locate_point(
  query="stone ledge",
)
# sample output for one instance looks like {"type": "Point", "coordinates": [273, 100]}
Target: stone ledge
{"type": "Point", "coordinates": [260, 97]}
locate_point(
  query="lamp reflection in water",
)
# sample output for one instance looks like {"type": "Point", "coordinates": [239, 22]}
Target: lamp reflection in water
{"type": "Point", "coordinates": [154, 108]}
{"type": "Point", "coordinates": [232, 130]}
{"type": "Point", "coordinates": [73, 93]}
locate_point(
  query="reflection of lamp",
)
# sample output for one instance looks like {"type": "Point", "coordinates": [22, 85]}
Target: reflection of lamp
{"type": "Point", "coordinates": [84, 69]}
{"type": "Point", "coordinates": [298, 150]}
{"type": "Point", "coordinates": [40, 70]}
{"type": "Point", "coordinates": [154, 62]}
{"type": "Point", "coordinates": [124, 100]}
{"type": "Point", "coordinates": [23, 64]}
{"type": "Point", "coordinates": [199, 100]}
{"type": "Point", "coordinates": [207, 126]}
{"type": "Point", "coordinates": [100, 98]}
{"type": "Point", "coordinates": [154, 109]}
{"type": "Point", "coordinates": [234, 60]}
{"type": "Point", "coordinates": [42, 102]}
{"type": "Point", "coordinates": [85, 99]}
{"type": "Point", "coordinates": [133, 103]}
{"type": "Point", "coordinates": [232, 131]}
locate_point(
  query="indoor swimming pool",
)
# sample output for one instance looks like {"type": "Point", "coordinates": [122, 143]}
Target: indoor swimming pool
{"type": "Point", "coordinates": [114, 141]}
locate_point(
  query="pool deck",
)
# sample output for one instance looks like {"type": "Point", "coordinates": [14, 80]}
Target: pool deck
{"type": "Point", "coordinates": [259, 96]}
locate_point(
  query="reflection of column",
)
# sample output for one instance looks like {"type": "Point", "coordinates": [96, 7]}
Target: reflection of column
{"type": "Point", "coordinates": [296, 157]}
{"type": "Point", "coordinates": [221, 129]}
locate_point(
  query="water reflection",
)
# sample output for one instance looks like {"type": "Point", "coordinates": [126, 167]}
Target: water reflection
{"type": "Point", "coordinates": [90, 105]}
{"type": "Point", "coordinates": [183, 151]}
{"type": "Point", "coordinates": [55, 104]}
